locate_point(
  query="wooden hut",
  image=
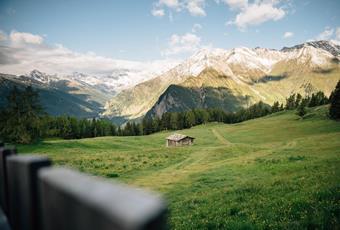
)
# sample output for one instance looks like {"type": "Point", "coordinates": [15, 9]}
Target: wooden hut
{"type": "Point", "coordinates": [179, 140]}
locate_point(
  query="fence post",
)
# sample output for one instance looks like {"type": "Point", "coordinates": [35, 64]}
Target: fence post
{"type": "Point", "coordinates": [72, 201]}
{"type": "Point", "coordinates": [23, 191]}
{"type": "Point", "coordinates": [3, 221]}
{"type": "Point", "coordinates": [4, 153]}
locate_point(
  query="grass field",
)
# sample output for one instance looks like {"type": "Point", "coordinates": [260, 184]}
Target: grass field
{"type": "Point", "coordinates": [276, 172]}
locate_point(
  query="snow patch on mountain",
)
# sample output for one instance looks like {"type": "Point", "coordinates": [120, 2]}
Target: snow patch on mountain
{"type": "Point", "coordinates": [124, 75]}
{"type": "Point", "coordinates": [316, 54]}
{"type": "Point", "coordinates": [329, 46]}
{"type": "Point", "coordinates": [43, 78]}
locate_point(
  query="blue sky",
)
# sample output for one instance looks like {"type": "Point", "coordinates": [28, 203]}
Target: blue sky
{"type": "Point", "coordinates": [157, 29]}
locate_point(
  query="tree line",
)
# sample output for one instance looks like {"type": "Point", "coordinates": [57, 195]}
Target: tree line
{"type": "Point", "coordinates": [23, 120]}
{"type": "Point", "coordinates": [188, 119]}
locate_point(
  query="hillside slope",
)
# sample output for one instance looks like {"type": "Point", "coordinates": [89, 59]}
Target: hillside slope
{"type": "Point", "coordinates": [276, 172]}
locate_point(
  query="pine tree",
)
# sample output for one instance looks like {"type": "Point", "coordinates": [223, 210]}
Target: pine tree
{"type": "Point", "coordinates": [165, 121]}
{"type": "Point", "coordinates": [128, 130]}
{"type": "Point", "coordinates": [281, 107]}
{"type": "Point", "coordinates": [276, 107]}
{"type": "Point", "coordinates": [298, 100]}
{"type": "Point", "coordinates": [173, 121]}
{"type": "Point", "coordinates": [75, 128]}
{"type": "Point", "coordinates": [301, 111]}
{"type": "Point", "coordinates": [334, 109]}
{"type": "Point", "coordinates": [22, 117]}
{"type": "Point", "coordinates": [290, 102]}
{"type": "Point", "coordinates": [180, 120]}
{"type": "Point", "coordinates": [321, 98]}
{"type": "Point", "coordinates": [119, 131]}
{"type": "Point", "coordinates": [66, 130]}
{"type": "Point", "coordinates": [147, 126]}
{"type": "Point", "coordinates": [156, 124]}
{"type": "Point", "coordinates": [94, 128]}
{"type": "Point", "coordinates": [113, 131]}
{"type": "Point", "coordinates": [137, 129]}
{"type": "Point", "coordinates": [189, 119]}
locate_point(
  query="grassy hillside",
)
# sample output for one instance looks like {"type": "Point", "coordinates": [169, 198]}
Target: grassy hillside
{"type": "Point", "coordinates": [275, 172]}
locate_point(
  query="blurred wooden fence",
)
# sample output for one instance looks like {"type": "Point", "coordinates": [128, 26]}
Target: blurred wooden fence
{"type": "Point", "coordinates": [36, 196]}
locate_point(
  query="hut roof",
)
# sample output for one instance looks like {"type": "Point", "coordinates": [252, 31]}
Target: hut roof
{"type": "Point", "coordinates": [178, 137]}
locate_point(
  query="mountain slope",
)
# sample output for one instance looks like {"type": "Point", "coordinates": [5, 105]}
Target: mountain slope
{"type": "Point", "coordinates": [136, 101]}
{"type": "Point", "coordinates": [255, 74]}
{"type": "Point", "coordinates": [58, 96]}
{"type": "Point", "coordinates": [208, 90]}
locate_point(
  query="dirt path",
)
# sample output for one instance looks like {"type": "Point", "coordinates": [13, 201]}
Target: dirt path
{"type": "Point", "coordinates": [220, 137]}
{"type": "Point", "coordinates": [196, 162]}
{"type": "Point", "coordinates": [174, 173]}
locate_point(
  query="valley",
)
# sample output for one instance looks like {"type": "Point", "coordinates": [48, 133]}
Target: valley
{"type": "Point", "coordinates": [58, 96]}
{"type": "Point", "coordinates": [210, 78]}
{"type": "Point", "coordinates": [279, 171]}
{"type": "Point", "coordinates": [232, 79]}
{"type": "Point", "coordinates": [170, 114]}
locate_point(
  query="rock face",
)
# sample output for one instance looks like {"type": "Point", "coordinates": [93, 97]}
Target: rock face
{"type": "Point", "coordinates": [230, 79]}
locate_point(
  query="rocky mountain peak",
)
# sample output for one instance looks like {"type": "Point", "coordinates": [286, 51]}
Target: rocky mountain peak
{"type": "Point", "coordinates": [38, 76]}
{"type": "Point", "coordinates": [328, 46]}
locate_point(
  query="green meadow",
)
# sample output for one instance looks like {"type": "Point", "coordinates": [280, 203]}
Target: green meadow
{"type": "Point", "coordinates": [276, 172]}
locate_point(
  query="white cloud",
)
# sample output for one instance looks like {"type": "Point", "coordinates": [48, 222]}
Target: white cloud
{"type": "Point", "coordinates": [288, 34]}
{"type": "Point", "coordinates": [158, 12]}
{"type": "Point", "coordinates": [330, 34]}
{"type": "Point", "coordinates": [23, 52]}
{"type": "Point", "coordinates": [186, 43]}
{"type": "Point", "coordinates": [326, 34]}
{"type": "Point", "coordinates": [196, 27]}
{"type": "Point", "coordinates": [170, 3]}
{"type": "Point", "coordinates": [19, 37]}
{"type": "Point", "coordinates": [256, 13]}
{"type": "Point", "coordinates": [196, 7]}
{"type": "Point", "coordinates": [236, 4]}
{"type": "Point", "coordinates": [3, 36]}
{"type": "Point", "coordinates": [337, 33]}
{"type": "Point", "coordinates": [158, 8]}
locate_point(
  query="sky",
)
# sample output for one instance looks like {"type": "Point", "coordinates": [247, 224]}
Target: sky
{"type": "Point", "coordinates": [65, 33]}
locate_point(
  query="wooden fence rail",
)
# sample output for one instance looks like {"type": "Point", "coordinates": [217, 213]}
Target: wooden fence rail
{"type": "Point", "coordinates": [36, 196]}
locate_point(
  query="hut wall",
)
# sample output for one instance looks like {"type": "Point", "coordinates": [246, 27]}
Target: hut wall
{"type": "Point", "coordinates": [185, 141]}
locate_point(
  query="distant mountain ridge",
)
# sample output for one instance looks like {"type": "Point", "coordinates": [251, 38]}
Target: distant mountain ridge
{"type": "Point", "coordinates": [228, 79]}
{"type": "Point", "coordinates": [58, 96]}
{"type": "Point", "coordinates": [328, 46]}
{"type": "Point", "coordinates": [256, 74]}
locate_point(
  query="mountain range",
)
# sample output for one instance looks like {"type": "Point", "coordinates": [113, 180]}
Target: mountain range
{"type": "Point", "coordinates": [228, 79]}
{"type": "Point", "coordinates": [58, 96]}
